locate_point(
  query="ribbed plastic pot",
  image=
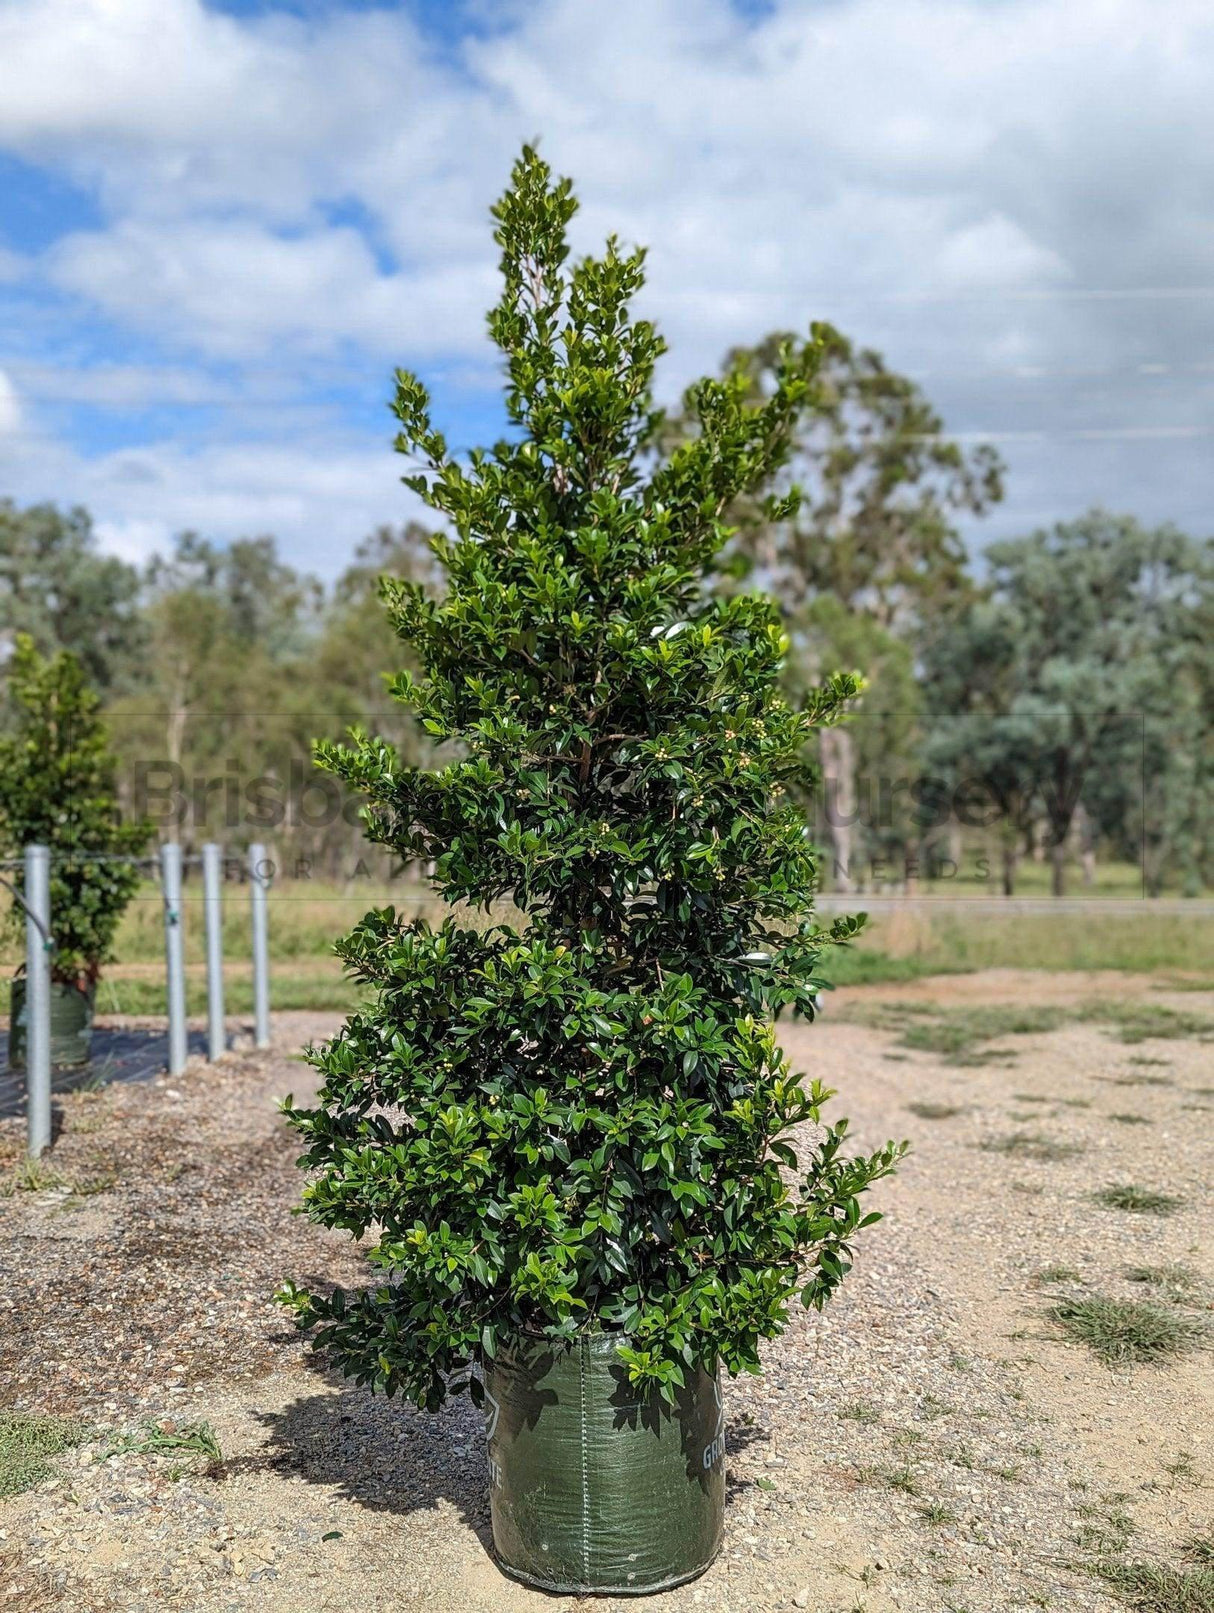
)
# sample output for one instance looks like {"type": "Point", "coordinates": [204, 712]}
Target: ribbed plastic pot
{"type": "Point", "coordinates": [595, 1489]}
{"type": "Point", "coordinates": [71, 1024]}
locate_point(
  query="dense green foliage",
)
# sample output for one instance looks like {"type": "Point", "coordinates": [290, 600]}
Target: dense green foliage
{"type": "Point", "coordinates": [585, 1121]}
{"type": "Point", "coordinates": [58, 587]}
{"type": "Point", "coordinates": [1079, 682]}
{"type": "Point", "coordinates": [57, 788]}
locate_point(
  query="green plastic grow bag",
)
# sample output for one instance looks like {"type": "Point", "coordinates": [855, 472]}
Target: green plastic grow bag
{"type": "Point", "coordinates": [594, 1488]}
{"type": "Point", "coordinates": [71, 1024]}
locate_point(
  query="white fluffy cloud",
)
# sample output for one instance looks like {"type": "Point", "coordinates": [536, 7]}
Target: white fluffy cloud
{"type": "Point", "coordinates": [10, 407]}
{"type": "Point", "coordinates": [320, 494]}
{"type": "Point", "coordinates": [954, 181]}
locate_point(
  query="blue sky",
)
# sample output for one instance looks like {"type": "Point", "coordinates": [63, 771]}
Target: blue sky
{"type": "Point", "coordinates": [222, 225]}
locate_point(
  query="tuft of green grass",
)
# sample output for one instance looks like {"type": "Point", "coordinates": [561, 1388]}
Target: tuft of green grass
{"type": "Point", "coordinates": [30, 1176]}
{"type": "Point", "coordinates": [934, 1111]}
{"type": "Point", "coordinates": [1143, 1062]}
{"type": "Point", "coordinates": [859, 1411]}
{"type": "Point", "coordinates": [1030, 1145]}
{"type": "Point", "coordinates": [27, 1443]}
{"type": "Point", "coordinates": [1200, 1549]}
{"type": "Point", "coordinates": [907, 1436]}
{"type": "Point", "coordinates": [1164, 1276]}
{"type": "Point", "coordinates": [1132, 1120]}
{"type": "Point", "coordinates": [903, 1480]}
{"type": "Point", "coordinates": [1183, 1470]}
{"type": "Point", "coordinates": [959, 1036]}
{"type": "Point", "coordinates": [936, 1513]}
{"type": "Point", "coordinates": [1137, 1080]}
{"type": "Point", "coordinates": [1057, 1274]}
{"type": "Point", "coordinates": [1125, 1332]}
{"type": "Point", "coordinates": [1137, 1020]}
{"type": "Point", "coordinates": [1107, 1526]}
{"type": "Point", "coordinates": [1136, 1200]}
{"type": "Point", "coordinates": [1152, 1588]}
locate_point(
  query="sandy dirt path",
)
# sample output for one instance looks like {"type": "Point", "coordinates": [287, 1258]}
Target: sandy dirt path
{"type": "Point", "coordinates": [930, 1444]}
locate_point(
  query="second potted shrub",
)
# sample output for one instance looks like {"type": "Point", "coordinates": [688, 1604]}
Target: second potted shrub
{"type": "Point", "coordinates": [57, 789]}
{"type": "Point", "coordinates": [571, 1141]}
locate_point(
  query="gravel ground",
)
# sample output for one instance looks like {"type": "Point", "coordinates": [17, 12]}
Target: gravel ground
{"type": "Point", "coordinates": [929, 1444]}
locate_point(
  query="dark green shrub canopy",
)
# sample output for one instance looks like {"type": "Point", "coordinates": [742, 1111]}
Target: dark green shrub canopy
{"type": "Point", "coordinates": [583, 1122]}
{"type": "Point", "coordinates": [57, 788]}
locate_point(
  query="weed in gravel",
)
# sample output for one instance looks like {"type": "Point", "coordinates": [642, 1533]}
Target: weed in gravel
{"type": "Point", "coordinates": [1010, 1475]}
{"type": "Point", "coordinates": [1132, 1120]}
{"type": "Point", "coordinates": [86, 1187]}
{"type": "Point", "coordinates": [961, 1457]}
{"type": "Point", "coordinates": [26, 1445]}
{"type": "Point", "coordinates": [859, 1411]}
{"type": "Point", "coordinates": [1136, 1020]}
{"type": "Point", "coordinates": [1183, 1470]}
{"type": "Point", "coordinates": [30, 1176]}
{"type": "Point", "coordinates": [903, 1480]}
{"type": "Point", "coordinates": [1143, 1062]}
{"type": "Point", "coordinates": [1203, 1092]}
{"type": "Point", "coordinates": [934, 1111]}
{"type": "Point", "coordinates": [1124, 1332]}
{"type": "Point", "coordinates": [1200, 1549]}
{"type": "Point", "coordinates": [1137, 1080]}
{"type": "Point", "coordinates": [1136, 1200]}
{"type": "Point", "coordinates": [155, 1439]}
{"type": "Point", "coordinates": [1057, 1274]}
{"type": "Point", "coordinates": [1151, 1588]}
{"type": "Point", "coordinates": [907, 1436]}
{"type": "Point", "coordinates": [1165, 1276]}
{"type": "Point", "coordinates": [935, 1512]}
{"type": "Point", "coordinates": [959, 1037]}
{"type": "Point", "coordinates": [1031, 1097]}
{"type": "Point", "coordinates": [1106, 1526]}
{"type": "Point", "coordinates": [1030, 1145]}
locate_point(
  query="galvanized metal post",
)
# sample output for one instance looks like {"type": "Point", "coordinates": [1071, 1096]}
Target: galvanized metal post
{"type": "Point", "coordinates": [174, 953]}
{"type": "Point", "coordinates": [212, 904]}
{"type": "Point", "coordinates": [38, 997]}
{"type": "Point", "coordinates": [260, 870]}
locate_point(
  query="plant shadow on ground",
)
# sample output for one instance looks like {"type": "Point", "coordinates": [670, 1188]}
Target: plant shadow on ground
{"type": "Point", "coordinates": [380, 1454]}
{"type": "Point", "coordinates": [388, 1457]}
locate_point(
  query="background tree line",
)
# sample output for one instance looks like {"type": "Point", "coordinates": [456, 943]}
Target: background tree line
{"type": "Point", "coordinates": [1050, 700]}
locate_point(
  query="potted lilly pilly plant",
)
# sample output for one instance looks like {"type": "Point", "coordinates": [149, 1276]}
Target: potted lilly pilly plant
{"type": "Point", "coordinates": [57, 788]}
{"type": "Point", "coordinates": [570, 1141]}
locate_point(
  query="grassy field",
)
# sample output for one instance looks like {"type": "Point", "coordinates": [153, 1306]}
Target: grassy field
{"type": "Point", "coordinates": [905, 944]}
{"type": "Point", "coordinates": [900, 943]}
